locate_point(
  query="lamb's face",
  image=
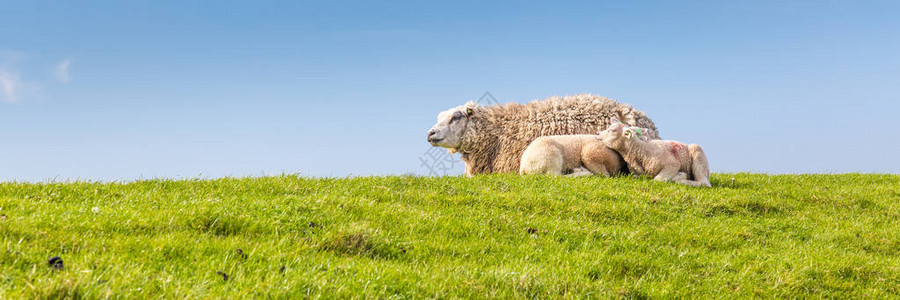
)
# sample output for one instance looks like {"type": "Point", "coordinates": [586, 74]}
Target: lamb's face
{"type": "Point", "coordinates": [450, 127]}
{"type": "Point", "coordinates": [617, 134]}
{"type": "Point", "coordinates": [614, 135]}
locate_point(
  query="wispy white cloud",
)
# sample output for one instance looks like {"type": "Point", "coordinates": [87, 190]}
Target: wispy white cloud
{"type": "Point", "coordinates": [17, 86]}
{"type": "Point", "coordinates": [10, 85]}
{"type": "Point", "coordinates": [10, 82]}
{"type": "Point", "coordinates": [62, 71]}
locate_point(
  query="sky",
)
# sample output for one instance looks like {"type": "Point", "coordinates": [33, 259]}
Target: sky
{"type": "Point", "coordinates": [126, 90]}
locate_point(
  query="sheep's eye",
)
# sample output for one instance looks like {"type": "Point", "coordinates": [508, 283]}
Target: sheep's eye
{"type": "Point", "coordinates": [456, 116]}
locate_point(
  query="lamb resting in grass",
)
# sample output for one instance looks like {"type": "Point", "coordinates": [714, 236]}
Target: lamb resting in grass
{"type": "Point", "coordinates": [664, 160]}
{"type": "Point", "coordinates": [576, 155]}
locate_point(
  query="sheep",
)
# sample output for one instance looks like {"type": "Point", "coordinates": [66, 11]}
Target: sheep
{"type": "Point", "coordinates": [492, 138]}
{"type": "Point", "coordinates": [575, 155]}
{"type": "Point", "coordinates": [663, 159]}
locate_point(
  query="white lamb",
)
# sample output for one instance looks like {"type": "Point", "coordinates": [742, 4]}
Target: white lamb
{"type": "Point", "coordinates": [575, 155]}
{"type": "Point", "coordinates": [664, 160]}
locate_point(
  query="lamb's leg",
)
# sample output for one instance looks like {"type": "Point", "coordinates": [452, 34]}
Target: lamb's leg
{"type": "Point", "coordinates": [604, 171]}
{"type": "Point", "coordinates": [667, 174]}
{"type": "Point", "coordinates": [597, 168]}
{"type": "Point", "coordinates": [699, 167]}
{"type": "Point", "coordinates": [580, 171]}
{"type": "Point", "coordinates": [594, 157]}
{"type": "Point", "coordinates": [681, 178]}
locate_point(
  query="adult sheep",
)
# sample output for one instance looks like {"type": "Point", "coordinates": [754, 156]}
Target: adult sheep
{"type": "Point", "coordinates": [492, 138]}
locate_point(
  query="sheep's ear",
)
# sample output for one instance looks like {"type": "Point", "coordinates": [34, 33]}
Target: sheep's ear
{"type": "Point", "coordinates": [614, 120]}
{"type": "Point", "coordinates": [469, 111]}
{"type": "Point", "coordinates": [627, 134]}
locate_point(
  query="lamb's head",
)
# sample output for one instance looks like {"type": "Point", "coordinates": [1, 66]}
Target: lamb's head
{"type": "Point", "coordinates": [617, 134]}
{"type": "Point", "coordinates": [614, 136]}
{"type": "Point", "coordinates": [451, 126]}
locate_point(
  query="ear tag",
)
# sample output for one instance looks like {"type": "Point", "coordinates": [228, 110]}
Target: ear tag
{"type": "Point", "coordinates": [639, 132]}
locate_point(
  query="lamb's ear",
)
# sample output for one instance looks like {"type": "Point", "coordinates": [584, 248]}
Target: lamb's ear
{"type": "Point", "coordinates": [639, 132]}
{"type": "Point", "coordinates": [469, 111]}
{"type": "Point", "coordinates": [647, 133]}
{"type": "Point", "coordinates": [613, 127]}
{"type": "Point", "coordinates": [627, 134]}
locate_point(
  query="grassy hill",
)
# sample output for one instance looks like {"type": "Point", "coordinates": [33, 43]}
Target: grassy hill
{"type": "Point", "coordinates": [490, 236]}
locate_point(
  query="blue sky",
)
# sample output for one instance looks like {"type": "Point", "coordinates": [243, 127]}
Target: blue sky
{"type": "Point", "coordinates": [122, 90]}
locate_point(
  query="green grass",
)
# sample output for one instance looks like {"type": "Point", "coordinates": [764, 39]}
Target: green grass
{"type": "Point", "coordinates": [501, 236]}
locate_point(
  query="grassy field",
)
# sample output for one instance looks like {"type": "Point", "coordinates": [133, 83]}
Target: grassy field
{"type": "Point", "coordinates": [500, 236]}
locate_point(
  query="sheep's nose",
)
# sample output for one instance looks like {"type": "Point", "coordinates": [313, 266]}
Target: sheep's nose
{"type": "Point", "coordinates": [431, 132]}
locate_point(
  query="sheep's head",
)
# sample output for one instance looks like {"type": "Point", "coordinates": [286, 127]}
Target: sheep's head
{"type": "Point", "coordinates": [450, 127]}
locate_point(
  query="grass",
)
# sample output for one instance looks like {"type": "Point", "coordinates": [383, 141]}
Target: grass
{"type": "Point", "coordinates": [500, 236]}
